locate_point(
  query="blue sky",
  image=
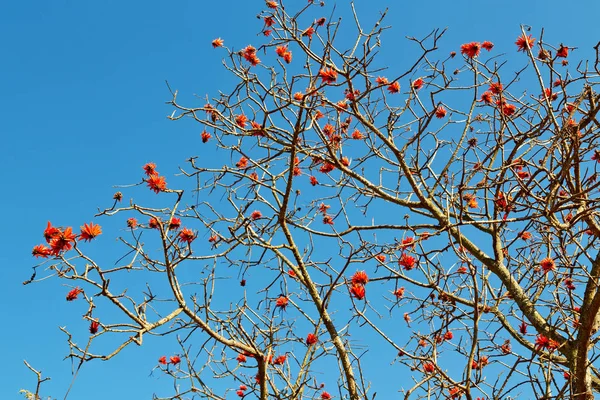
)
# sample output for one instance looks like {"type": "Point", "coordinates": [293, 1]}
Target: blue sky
{"type": "Point", "coordinates": [83, 97]}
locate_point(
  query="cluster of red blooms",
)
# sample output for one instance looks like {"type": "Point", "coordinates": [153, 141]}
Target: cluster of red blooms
{"type": "Point", "coordinates": [282, 302]}
{"type": "Point", "coordinates": [542, 342]}
{"type": "Point", "coordinates": [172, 360]}
{"type": "Point", "coordinates": [282, 51]}
{"type": "Point", "coordinates": [241, 391]}
{"type": "Point", "coordinates": [472, 49]}
{"type": "Point", "coordinates": [249, 54]}
{"type": "Point", "coordinates": [358, 282]}
{"type": "Point", "coordinates": [61, 240]}
{"type": "Point", "coordinates": [155, 182]}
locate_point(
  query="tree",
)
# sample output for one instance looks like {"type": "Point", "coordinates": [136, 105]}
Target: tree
{"type": "Point", "coordinates": [438, 217]}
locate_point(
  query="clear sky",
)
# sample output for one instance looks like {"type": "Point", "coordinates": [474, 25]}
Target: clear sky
{"type": "Point", "coordinates": [83, 108]}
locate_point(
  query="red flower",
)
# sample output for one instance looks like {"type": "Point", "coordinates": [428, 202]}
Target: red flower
{"type": "Point", "coordinates": [470, 49]}
{"type": "Point", "coordinates": [326, 167]}
{"type": "Point", "coordinates": [256, 215]}
{"type": "Point", "coordinates": [94, 327]}
{"type": "Point", "coordinates": [407, 262]}
{"type": "Point", "coordinates": [218, 42]}
{"type": "Point", "coordinates": [281, 50]}
{"type": "Point", "coordinates": [272, 4]}
{"type": "Point", "coordinates": [448, 335]}
{"type": "Point", "coordinates": [328, 75]}
{"type": "Point", "coordinates": [205, 136]}
{"type": "Point", "coordinates": [240, 393]}
{"type": "Point", "coordinates": [440, 112]}
{"type": "Point", "coordinates": [547, 264]}
{"type": "Point", "coordinates": [487, 45]}
{"type": "Point", "coordinates": [174, 223]}
{"type": "Point", "coordinates": [88, 232]}
{"type": "Point", "coordinates": [548, 94]}
{"type": "Point", "coordinates": [525, 43]}
{"type": "Point", "coordinates": [508, 109]}
{"type": "Point", "coordinates": [345, 161]}
{"type": "Point", "coordinates": [72, 295]}
{"type": "Point", "coordinates": [118, 196]}
{"type": "Point", "coordinates": [249, 54]}
{"type": "Point", "coordinates": [279, 360]}
{"type": "Point", "coordinates": [153, 223]}
{"type": "Point", "coordinates": [323, 208]}
{"type": "Point", "coordinates": [187, 235]}
{"type": "Point", "coordinates": [243, 163]}
{"type": "Point", "coordinates": [417, 83]}
{"type": "Point", "coordinates": [174, 360]}
{"type": "Point", "coordinates": [381, 80]}
{"type": "Point", "coordinates": [311, 339]}
{"type": "Point", "coordinates": [313, 181]}
{"type": "Point", "coordinates": [394, 87]}
{"type": "Point", "coordinates": [327, 220]}
{"type": "Point", "coordinates": [309, 32]}
{"type": "Point", "coordinates": [357, 135]}
{"type": "Point", "coordinates": [269, 21]}
{"type": "Point", "coordinates": [486, 97]}
{"type": "Point", "coordinates": [542, 341]}
{"type": "Point", "coordinates": [267, 32]}
{"type": "Point", "coordinates": [241, 358]}
{"type": "Point", "coordinates": [360, 278]}
{"type": "Point", "coordinates": [281, 302]}
{"type": "Point", "coordinates": [523, 328]}
{"type": "Point", "coordinates": [496, 87]}
{"type": "Point", "coordinates": [568, 282]}
{"type": "Point", "coordinates": [163, 360]}
{"type": "Point", "coordinates": [399, 293]}
{"type": "Point", "coordinates": [62, 241]}
{"type": "Point", "coordinates": [562, 52]}
{"type": "Point", "coordinates": [325, 396]}
{"type": "Point", "coordinates": [243, 387]}
{"type": "Point", "coordinates": [358, 291]}
{"type": "Point", "coordinates": [150, 169]}
{"type": "Point", "coordinates": [320, 21]}
{"type": "Point", "coordinates": [51, 232]}
{"type": "Point", "coordinates": [241, 120]}
{"type": "Point", "coordinates": [157, 183]}
{"type": "Point", "coordinates": [41, 251]}
{"type": "Point", "coordinates": [429, 367]}
{"type": "Point", "coordinates": [557, 82]}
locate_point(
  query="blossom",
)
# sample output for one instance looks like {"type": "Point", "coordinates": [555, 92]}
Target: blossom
{"type": "Point", "coordinates": [241, 358]}
{"type": "Point", "coordinates": [279, 360]}
{"type": "Point", "coordinates": [417, 83]}
{"type": "Point", "coordinates": [272, 4]}
{"type": "Point", "coordinates": [471, 49]}
{"type": "Point", "coordinates": [407, 262]}
{"type": "Point", "coordinates": [41, 251]}
{"type": "Point", "coordinates": [267, 32]}
{"type": "Point", "coordinates": [118, 196]}
{"type": "Point", "coordinates": [205, 136]}
{"type": "Point", "coordinates": [320, 21]}
{"type": "Point", "coordinates": [486, 97]}
{"type": "Point", "coordinates": [357, 135]}
{"type": "Point", "coordinates": [62, 241]}
{"type": "Point", "coordinates": [132, 223]}
{"type": "Point", "coordinates": [440, 112]}
{"type": "Point", "coordinates": [326, 167]}
{"type": "Point", "coordinates": [328, 75]}
{"type": "Point", "coordinates": [562, 52]}
{"type": "Point", "coordinates": [50, 232]}
{"type": "Point", "coordinates": [72, 295]}
{"type": "Point", "coordinates": [399, 293]}
{"type": "Point", "coordinates": [325, 396]}
{"type": "Point", "coordinates": [308, 32]}
{"type": "Point", "coordinates": [281, 302]}
{"type": "Point", "coordinates": [163, 360]}
{"type": "Point", "coordinates": [249, 54]}
{"type": "Point", "coordinates": [255, 215]}
{"type": "Point", "coordinates": [187, 235]}
{"type": "Point", "coordinates": [508, 109]}
{"type": "Point", "coordinates": [313, 180]}
{"type": "Point", "coordinates": [541, 341]}
{"type": "Point", "coordinates": [496, 87]}
{"type": "Point", "coordinates": [360, 278]}
{"type": "Point", "coordinates": [557, 82]}
{"type": "Point", "coordinates": [429, 367]}
{"type": "Point", "coordinates": [487, 45]}
{"type": "Point", "coordinates": [88, 232]}
{"type": "Point", "coordinates": [547, 264]}
{"type": "Point", "coordinates": [240, 120]}
{"type": "Point", "coordinates": [94, 327]}
{"type": "Point", "coordinates": [175, 223]}
{"type": "Point", "coordinates": [218, 42]}
{"type": "Point", "coordinates": [358, 291]}
{"type": "Point", "coordinates": [342, 105]}
{"type": "Point", "coordinates": [281, 50]}
{"type": "Point", "coordinates": [448, 335]}
{"type": "Point", "coordinates": [269, 21]}
{"type": "Point", "coordinates": [240, 393]}
{"type": "Point", "coordinates": [174, 360]}
{"type": "Point", "coordinates": [157, 183]}
{"type": "Point", "coordinates": [243, 387]}
{"type": "Point", "coordinates": [524, 43]}
{"type": "Point", "coordinates": [327, 220]}
{"type": "Point", "coordinates": [311, 339]}
{"type": "Point", "coordinates": [381, 80]}
{"type": "Point", "coordinates": [549, 95]}
{"type": "Point", "coordinates": [568, 282]}
{"type": "Point", "coordinates": [242, 163]}
{"type": "Point", "coordinates": [523, 328]}
{"type": "Point", "coordinates": [345, 161]}
{"type": "Point", "coordinates": [257, 129]}
{"type": "Point", "coordinates": [150, 169]}
{"type": "Point", "coordinates": [394, 87]}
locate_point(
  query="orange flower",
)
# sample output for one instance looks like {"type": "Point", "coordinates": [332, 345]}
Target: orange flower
{"type": "Point", "coordinates": [51, 232]}
{"type": "Point", "coordinates": [281, 50]}
{"type": "Point", "coordinates": [218, 42]}
{"type": "Point", "coordinates": [281, 302]}
{"type": "Point", "coordinates": [163, 360]}
{"type": "Point", "coordinates": [272, 4]}
{"type": "Point", "coordinates": [267, 32]}
{"type": "Point", "coordinates": [299, 96]}
{"type": "Point", "coordinates": [157, 183]}
{"type": "Point", "coordinates": [547, 264]}
{"type": "Point", "coordinates": [380, 257]}
{"type": "Point", "coordinates": [356, 135]}
{"type": "Point", "coordinates": [524, 43]}
{"type": "Point", "coordinates": [486, 97]}
{"type": "Point", "coordinates": [417, 83]}
{"type": "Point", "coordinates": [41, 251]}
{"type": "Point", "coordinates": [327, 220]}
{"type": "Point", "coordinates": [269, 21]}
{"type": "Point", "coordinates": [205, 136]}
{"type": "Point", "coordinates": [311, 339]}
{"type": "Point", "coordinates": [241, 358]}
{"type": "Point", "coordinates": [429, 367]}
{"type": "Point", "coordinates": [242, 163]}
{"type": "Point", "coordinates": [562, 52]}
{"type": "Point", "coordinates": [325, 396]}
{"type": "Point", "coordinates": [88, 232]}
{"type": "Point", "coordinates": [360, 278]}
{"type": "Point", "coordinates": [358, 291]}
{"type": "Point", "coordinates": [256, 215]}
{"type": "Point", "coordinates": [525, 235]}
{"type": "Point", "coordinates": [487, 45]}
{"type": "Point", "coordinates": [381, 80]}
{"type": "Point", "coordinates": [399, 293]}
{"type": "Point", "coordinates": [345, 161]}
{"type": "Point", "coordinates": [508, 109]}
{"type": "Point", "coordinates": [448, 335]}
{"type": "Point", "coordinates": [407, 262]}
{"type": "Point", "coordinates": [150, 169]}
{"type": "Point", "coordinates": [62, 241]}
{"type": "Point", "coordinates": [313, 180]}
{"type": "Point", "coordinates": [187, 235]}
{"type": "Point", "coordinates": [496, 87]}
{"type": "Point", "coordinates": [470, 49]}
{"type": "Point", "coordinates": [249, 53]}
{"type": "Point", "coordinates": [309, 32]}
{"type": "Point", "coordinates": [541, 341]}
{"type": "Point", "coordinates": [241, 120]}
{"type": "Point", "coordinates": [328, 75]}
{"type": "Point", "coordinates": [174, 360]}
{"type": "Point", "coordinates": [72, 295]}
{"type": "Point", "coordinates": [132, 223]}
{"type": "Point", "coordinates": [440, 112]}
{"type": "Point", "coordinates": [326, 167]}
{"type": "Point", "coordinates": [548, 94]}
{"type": "Point", "coordinates": [174, 223]}
{"type": "Point", "coordinates": [394, 87]}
